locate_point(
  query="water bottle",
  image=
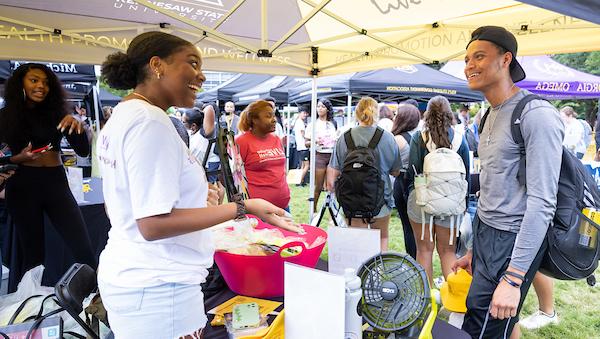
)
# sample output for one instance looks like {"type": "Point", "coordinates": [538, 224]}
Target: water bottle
{"type": "Point", "coordinates": [353, 321]}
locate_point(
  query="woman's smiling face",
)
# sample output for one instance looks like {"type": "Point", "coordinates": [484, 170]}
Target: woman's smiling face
{"type": "Point", "coordinates": [182, 77]}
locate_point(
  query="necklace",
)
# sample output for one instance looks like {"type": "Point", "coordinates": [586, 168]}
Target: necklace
{"type": "Point", "coordinates": [143, 98]}
{"type": "Point", "coordinates": [496, 110]}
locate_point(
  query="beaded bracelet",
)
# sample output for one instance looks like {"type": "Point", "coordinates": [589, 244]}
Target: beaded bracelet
{"type": "Point", "coordinates": [240, 207]}
{"type": "Point", "coordinates": [510, 282]}
{"type": "Point", "coordinates": [514, 274]}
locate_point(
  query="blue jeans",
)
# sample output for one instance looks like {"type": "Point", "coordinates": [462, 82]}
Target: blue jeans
{"type": "Point", "coordinates": [213, 166]}
{"type": "Point", "coordinates": [169, 310]}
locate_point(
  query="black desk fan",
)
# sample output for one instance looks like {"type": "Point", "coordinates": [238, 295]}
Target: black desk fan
{"type": "Point", "coordinates": [396, 297]}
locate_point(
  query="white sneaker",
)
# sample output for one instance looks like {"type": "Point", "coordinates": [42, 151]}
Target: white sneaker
{"type": "Point", "coordinates": [538, 320]}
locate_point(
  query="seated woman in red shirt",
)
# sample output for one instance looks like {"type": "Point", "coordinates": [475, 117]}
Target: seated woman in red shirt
{"type": "Point", "coordinates": [263, 155]}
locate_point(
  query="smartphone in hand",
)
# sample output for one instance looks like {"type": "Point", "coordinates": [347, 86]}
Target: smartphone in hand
{"type": "Point", "coordinates": [42, 149]}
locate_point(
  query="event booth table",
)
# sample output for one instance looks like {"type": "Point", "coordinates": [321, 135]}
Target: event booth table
{"type": "Point", "coordinates": [58, 257]}
{"type": "Point", "coordinates": [441, 329]}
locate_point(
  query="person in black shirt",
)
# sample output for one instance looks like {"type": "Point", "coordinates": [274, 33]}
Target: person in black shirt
{"type": "Point", "coordinates": [34, 117]}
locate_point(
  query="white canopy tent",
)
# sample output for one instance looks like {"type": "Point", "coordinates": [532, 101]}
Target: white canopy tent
{"type": "Point", "coordinates": [284, 37]}
{"type": "Point", "coordinates": [289, 37]}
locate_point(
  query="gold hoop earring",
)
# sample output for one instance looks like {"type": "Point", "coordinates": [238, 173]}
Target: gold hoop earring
{"type": "Point", "coordinates": [157, 75]}
{"type": "Point", "coordinates": [24, 95]}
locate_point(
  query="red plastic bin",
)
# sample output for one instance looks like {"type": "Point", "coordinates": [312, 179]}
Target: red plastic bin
{"type": "Point", "coordinates": [262, 276]}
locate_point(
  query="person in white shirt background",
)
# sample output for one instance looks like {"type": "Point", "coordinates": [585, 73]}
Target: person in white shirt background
{"type": "Point", "coordinates": [192, 119]}
{"type": "Point", "coordinates": [157, 197]}
{"type": "Point", "coordinates": [303, 151]}
{"type": "Point", "coordinates": [230, 119]}
{"type": "Point", "coordinates": [326, 135]}
{"type": "Point", "coordinates": [574, 132]}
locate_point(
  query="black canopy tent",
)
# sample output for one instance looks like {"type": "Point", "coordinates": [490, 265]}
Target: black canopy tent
{"type": "Point", "coordinates": [276, 87]}
{"type": "Point", "coordinates": [419, 82]}
{"type": "Point", "coordinates": [226, 90]}
{"type": "Point", "coordinates": [108, 99]}
{"type": "Point", "coordinates": [413, 81]}
{"type": "Point", "coordinates": [5, 70]}
{"type": "Point", "coordinates": [335, 86]}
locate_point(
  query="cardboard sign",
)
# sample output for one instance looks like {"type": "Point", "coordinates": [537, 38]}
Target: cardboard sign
{"type": "Point", "coordinates": [314, 303]}
{"type": "Point", "coordinates": [350, 247]}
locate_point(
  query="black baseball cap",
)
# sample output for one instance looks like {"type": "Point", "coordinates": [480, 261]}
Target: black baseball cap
{"type": "Point", "coordinates": [505, 39]}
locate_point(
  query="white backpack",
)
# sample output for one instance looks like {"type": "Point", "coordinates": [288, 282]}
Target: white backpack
{"type": "Point", "coordinates": [442, 189]}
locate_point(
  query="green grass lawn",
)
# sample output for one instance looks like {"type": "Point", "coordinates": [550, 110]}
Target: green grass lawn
{"type": "Point", "coordinates": [577, 304]}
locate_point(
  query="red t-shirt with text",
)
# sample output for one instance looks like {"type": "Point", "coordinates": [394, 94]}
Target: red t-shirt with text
{"type": "Point", "coordinates": [264, 161]}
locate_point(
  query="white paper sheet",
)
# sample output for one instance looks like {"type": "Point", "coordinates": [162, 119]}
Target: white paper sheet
{"type": "Point", "coordinates": [75, 179]}
{"type": "Point", "coordinates": [314, 303]}
{"type": "Point", "coordinates": [350, 247]}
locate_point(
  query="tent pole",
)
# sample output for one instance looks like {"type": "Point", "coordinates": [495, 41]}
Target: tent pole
{"type": "Point", "coordinates": [96, 133]}
{"type": "Point", "coordinates": [349, 109]}
{"type": "Point", "coordinates": [313, 153]}
{"type": "Point", "coordinates": [287, 133]}
{"type": "Point", "coordinates": [95, 91]}
{"type": "Point", "coordinates": [263, 25]}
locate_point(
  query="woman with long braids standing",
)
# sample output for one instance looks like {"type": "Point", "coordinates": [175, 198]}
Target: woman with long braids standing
{"type": "Point", "coordinates": [437, 132]}
{"type": "Point", "coordinates": [34, 117]}
{"type": "Point", "coordinates": [157, 196]}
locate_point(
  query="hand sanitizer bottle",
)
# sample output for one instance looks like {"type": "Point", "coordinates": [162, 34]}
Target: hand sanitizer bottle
{"type": "Point", "coordinates": [353, 321]}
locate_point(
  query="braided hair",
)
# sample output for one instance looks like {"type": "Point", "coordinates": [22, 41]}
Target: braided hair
{"type": "Point", "coordinates": [438, 119]}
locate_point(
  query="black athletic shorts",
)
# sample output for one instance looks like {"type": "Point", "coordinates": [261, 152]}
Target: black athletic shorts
{"type": "Point", "coordinates": [304, 155]}
{"type": "Point", "coordinates": [492, 251]}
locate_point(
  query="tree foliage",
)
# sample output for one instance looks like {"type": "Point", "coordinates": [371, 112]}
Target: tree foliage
{"type": "Point", "coordinates": [119, 92]}
{"type": "Point", "coordinates": [588, 62]}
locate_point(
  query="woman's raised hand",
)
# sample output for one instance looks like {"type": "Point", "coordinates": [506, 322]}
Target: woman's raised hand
{"type": "Point", "coordinates": [70, 124]}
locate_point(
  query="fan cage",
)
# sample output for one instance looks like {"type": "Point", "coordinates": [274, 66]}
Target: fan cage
{"type": "Point", "coordinates": [409, 305]}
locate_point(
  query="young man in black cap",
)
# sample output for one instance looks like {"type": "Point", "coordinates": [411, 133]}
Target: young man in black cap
{"type": "Point", "coordinates": [512, 219]}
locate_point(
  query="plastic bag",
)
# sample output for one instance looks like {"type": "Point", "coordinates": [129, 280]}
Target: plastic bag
{"type": "Point", "coordinates": [30, 285]}
{"type": "Point", "coordinates": [242, 238]}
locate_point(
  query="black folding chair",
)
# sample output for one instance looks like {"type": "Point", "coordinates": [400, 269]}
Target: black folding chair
{"type": "Point", "coordinates": [74, 286]}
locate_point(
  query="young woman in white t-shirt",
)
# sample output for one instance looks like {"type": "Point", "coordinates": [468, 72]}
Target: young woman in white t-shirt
{"type": "Point", "coordinates": [325, 138]}
{"type": "Point", "coordinates": [157, 196]}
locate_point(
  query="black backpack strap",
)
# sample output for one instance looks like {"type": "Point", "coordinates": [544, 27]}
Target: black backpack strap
{"type": "Point", "coordinates": [483, 119]}
{"type": "Point", "coordinates": [349, 142]}
{"type": "Point", "coordinates": [376, 137]}
{"type": "Point", "coordinates": [406, 137]}
{"type": "Point", "coordinates": [515, 130]}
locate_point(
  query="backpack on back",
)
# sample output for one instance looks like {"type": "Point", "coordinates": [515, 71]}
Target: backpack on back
{"type": "Point", "coordinates": [442, 189]}
{"type": "Point", "coordinates": [360, 189]}
{"type": "Point", "coordinates": [571, 255]}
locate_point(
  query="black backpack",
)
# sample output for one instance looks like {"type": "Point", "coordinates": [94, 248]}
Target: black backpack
{"type": "Point", "coordinates": [566, 258]}
{"type": "Point", "coordinates": [359, 189]}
